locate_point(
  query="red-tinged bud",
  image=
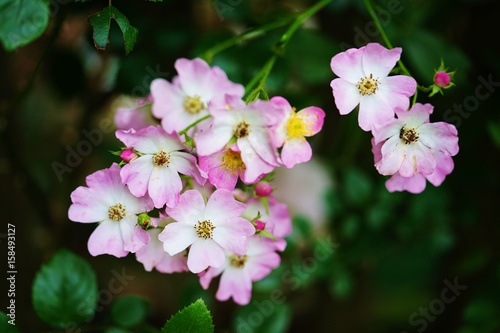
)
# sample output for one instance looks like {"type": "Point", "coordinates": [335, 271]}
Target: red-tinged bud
{"type": "Point", "coordinates": [442, 79]}
{"type": "Point", "coordinates": [263, 189]}
{"type": "Point", "coordinates": [259, 225]}
{"type": "Point", "coordinates": [128, 155]}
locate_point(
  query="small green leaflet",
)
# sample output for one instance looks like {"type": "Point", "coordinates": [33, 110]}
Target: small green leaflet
{"type": "Point", "coordinates": [101, 23]}
{"type": "Point", "coordinates": [194, 318]}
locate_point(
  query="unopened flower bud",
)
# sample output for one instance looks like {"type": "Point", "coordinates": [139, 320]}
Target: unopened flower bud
{"type": "Point", "coordinates": [442, 79]}
{"type": "Point", "coordinates": [259, 225]}
{"type": "Point", "coordinates": [263, 189]}
{"type": "Point", "coordinates": [128, 155]}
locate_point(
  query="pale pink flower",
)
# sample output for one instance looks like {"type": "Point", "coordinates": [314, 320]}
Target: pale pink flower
{"type": "Point", "coordinates": [186, 100]}
{"type": "Point", "coordinates": [293, 129]}
{"type": "Point", "coordinates": [251, 126]}
{"type": "Point", "coordinates": [107, 201]}
{"type": "Point", "coordinates": [416, 183]}
{"type": "Point", "coordinates": [223, 168]}
{"type": "Point", "coordinates": [411, 143]}
{"type": "Point", "coordinates": [207, 229]}
{"type": "Point", "coordinates": [156, 171]}
{"type": "Point", "coordinates": [239, 271]}
{"type": "Point", "coordinates": [363, 79]}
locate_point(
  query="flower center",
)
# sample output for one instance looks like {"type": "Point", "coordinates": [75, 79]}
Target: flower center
{"type": "Point", "coordinates": [367, 85]}
{"type": "Point", "coordinates": [242, 130]}
{"type": "Point", "coordinates": [238, 261]}
{"type": "Point", "coordinates": [204, 229]}
{"type": "Point", "coordinates": [162, 158]}
{"type": "Point", "coordinates": [116, 212]}
{"type": "Point", "coordinates": [232, 162]}
{"type": "Point", "coordinates": [408, 135]}
{"type": "Point", "coordinates": [193, 105]}
{"type": "Point", "coordinates": [296, 127]}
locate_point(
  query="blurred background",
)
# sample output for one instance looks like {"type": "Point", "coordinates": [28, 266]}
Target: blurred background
{"type": "Point", "coordinates": [393, 254]}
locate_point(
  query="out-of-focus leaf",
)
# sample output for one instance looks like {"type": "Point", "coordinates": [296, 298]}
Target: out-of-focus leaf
{"type": "Point", "coordinates": [65, 290]}
{"type": "Point", "coordinates": [358, 186]}
{"type": "Point", "coordinates": [21, 22]}
{"type": "Point", "coordinates": [494, 130]}
{"type": "Point", "coordinates": [5, 327]}
{"type": "Point", "coordinates": [425, 51]}
{"type": "Point", "coordinates": [263, 316]}
{"type": "Point", "coordinates": [194, 318]}
{"type": "Point", "coordinates": [101, 22]}
{"type": "Point", "coordinates": [129, 310]}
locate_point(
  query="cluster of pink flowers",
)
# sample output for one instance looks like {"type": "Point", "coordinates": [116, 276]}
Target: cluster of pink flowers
{"type": "Point", "coordinates": [406, 146]}
{"type": "Point", "coordinates": [173, 200]}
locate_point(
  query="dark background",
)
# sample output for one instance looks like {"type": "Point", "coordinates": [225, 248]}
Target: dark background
{"type": "Point", "coordinates": [395, 250]}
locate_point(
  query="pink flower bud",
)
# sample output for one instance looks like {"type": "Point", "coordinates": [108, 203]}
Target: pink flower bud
{"type": "Point", "coordinates": [442, 79]}
{"type": "Point", "coordinates": [128, 155]}
{"type": "Point", "coordinates": [259, 225]}
{"type": "Point", "coordinates": [263, 189]}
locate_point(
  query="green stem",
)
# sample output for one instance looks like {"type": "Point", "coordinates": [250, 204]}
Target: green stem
{"type": "Point", "coordinates": [369, 7]}
{"type": "Point", "coordinates": [210, 53]}
{"type": "Point", "coordinates": [184, 131]}
{"type": "Point", "coordinates": [261, 76]}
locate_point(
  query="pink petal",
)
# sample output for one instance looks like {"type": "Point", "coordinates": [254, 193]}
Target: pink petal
{"type": "Point", "coordinates": [256, 167]}
{"type": "Point", "coordinates": [392, 157]}
{"type": "Point", "coordinates": [313, 117]}
{"type": "Point", "coordinates": [164, 186]}
{"type": "Point", "coordinates": [399, 85]}
{"type": "Point", "coordinates": [222, 206]}
{"type": "Point", "coordinates": [136, 175]}
{"type": "Point", "coordinates": [107, 239]}
{"type": "Point", "coordinates": [185, 164]}
{"type": "Point", "coordinates": [235, 283]}
{"type": "Point", "coordinates": [213, 140]}
{"type": "Point", "coordinates": [260, 140]}
{"type": "Point", "coordinates": [347, 65]}
{"type": "Point", "coordinates": [415, 184]}
{"type": "Point", "coordinates": [439, 136]}
{"type": "Point", "coordinates": [87, 207]}
{"type": "Point", "coordinates": [177, 236]}
{"type": "Point", "coordinates": [346, 95]}
{"type": "Point", "coordinates": [444, 166]}
{"type": "Point", "coordinates": [374, 111]}
{"type": "Point", "coordinates": [295, 151]}
{"type": "Point", "coordinates": [233, 235]}
{"type": "Point", "coordinates": [378, 60]}
{"type": "Point", "coordinates": [190, 208]}
{"type": "Point", "coordinates": [193, 75]}
{"type": "Point", "coordinates": [418, 159]}
{"type": "Point", "coordinates": [204, 253]}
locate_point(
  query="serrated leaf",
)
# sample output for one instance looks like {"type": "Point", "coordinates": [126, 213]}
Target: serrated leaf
{"type": "Point", "coordinates": [194, 318]}
{"type": "Point", "coordinates": [5, 327]}
{"type": "Point", "coordinates": [21, 22]}
{"type": "Point", "coordinates": [101, 23]}
{"type": "Point", "coordinates": [129, 311]}
{"type": "Point", "coordinates": [65, 290]}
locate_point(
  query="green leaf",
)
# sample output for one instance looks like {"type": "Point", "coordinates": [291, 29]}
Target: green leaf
{"type": "Point", "coordinates": [5, 327]}
{"type": "Point", "coordinates": [129, 310]}
{"type": "Point", "coordinates": [65, 290]}
{"type": "Point", "coordinates": [194, 318]}
{"type": "Point", "coordinates": [21, 22]}
{"type": "Point", "coordinates": [101, 23]}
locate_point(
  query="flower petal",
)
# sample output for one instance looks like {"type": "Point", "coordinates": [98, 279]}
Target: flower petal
{"type": "Point", "coordinates": [222, 206]}
{"type": "Point", "coordinates": [176, 237]}
{"type": "Point", "coordinates": [107, 239]}
{"type": "Point", "coordinates": [348, 65]}
{"type": "Point", "coordinates": [415, 184]}
{"type": "Point", "coordinates": [379, 61]}
{"type": "Point", "coordinates": [346, 95]}
{"type": "Point", "coordinates": [296, 151]}
{"type": "Point", "coordinates": [204, 253]}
